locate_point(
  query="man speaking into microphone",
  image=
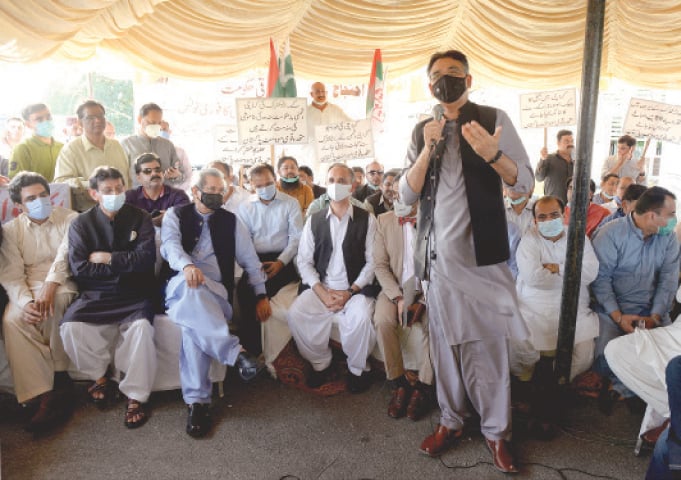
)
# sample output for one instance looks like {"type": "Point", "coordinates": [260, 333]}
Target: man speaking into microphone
{"type": "Point", "coordinates": [457, 167]}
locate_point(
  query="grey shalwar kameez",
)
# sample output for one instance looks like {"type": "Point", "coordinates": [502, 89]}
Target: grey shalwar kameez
{"type": "Point", "coordinates": [473, 309]}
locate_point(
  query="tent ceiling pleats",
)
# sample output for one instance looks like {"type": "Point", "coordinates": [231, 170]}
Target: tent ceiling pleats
{"type": "Point", "coordinates": [534, 44]}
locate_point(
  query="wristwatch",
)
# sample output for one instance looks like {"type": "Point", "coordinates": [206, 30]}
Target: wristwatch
{"type": "Point", "coordinates": [352, 292]}
{"type": "Point", "coordinates": [496, 157]}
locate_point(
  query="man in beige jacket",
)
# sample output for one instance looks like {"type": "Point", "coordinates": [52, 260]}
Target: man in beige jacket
{"type": "Point", "coordinates": [399, 299]}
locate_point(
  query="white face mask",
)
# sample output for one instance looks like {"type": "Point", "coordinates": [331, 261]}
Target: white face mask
{"type": "Point", "coordinates": [152, 131]}
{"type": "Point", "coordinates": [319, 104]}
{"type": "Point", "coordinates": [338, 192]}
{"type": "Point", "coordinates": [401, 209]}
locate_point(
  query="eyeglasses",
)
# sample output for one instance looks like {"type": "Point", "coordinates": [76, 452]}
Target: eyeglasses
{"type": "Point", "coordinates": [92, 118]}
{"type": "Point", "coordinates": [453, 71]}
{"type": "Point", "coordinates": [148, 171]}
{"type": "Point", "coordinates": [375, 172]}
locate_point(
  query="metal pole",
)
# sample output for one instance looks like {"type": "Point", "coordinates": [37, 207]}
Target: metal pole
{"type": "Point", "coordinates": [591, 66]}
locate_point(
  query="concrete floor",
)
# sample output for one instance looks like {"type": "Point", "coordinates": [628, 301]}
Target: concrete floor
{"type": "Point", "coordinates": [270, 431]}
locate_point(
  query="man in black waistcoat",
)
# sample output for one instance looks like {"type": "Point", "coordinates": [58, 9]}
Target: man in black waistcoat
{"type": "Point", "coordinates": [335, 259]}
{"type": "Point", "coordinates": [457, 166]}
{"type": "Point", "coordinates": [382, 201]}
{"type": "Point", "coordinates": [111, 255]}
{"type": "Point", "coordinates": [200, 241]}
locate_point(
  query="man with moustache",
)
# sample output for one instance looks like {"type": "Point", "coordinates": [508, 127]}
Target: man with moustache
{"type": "Point", "coordinates": [555, 169]}
{"type": "Point", "coordinates": [457, 167]}
{"type": "Point", "coordinates": [289, 183]}
{"type": "Point", "coordinates": [152, 195]}
{"type": "Point", "coordinates": [82, 155]}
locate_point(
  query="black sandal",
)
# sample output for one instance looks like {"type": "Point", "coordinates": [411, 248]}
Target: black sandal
{"type": "Point", "coordinates": [133, 410]}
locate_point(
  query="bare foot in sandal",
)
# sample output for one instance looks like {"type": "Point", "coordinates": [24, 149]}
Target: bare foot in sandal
{"type": "Point", "coordinates": [99, 392]}
{"type": "Point", "coordinates": [136, 414]}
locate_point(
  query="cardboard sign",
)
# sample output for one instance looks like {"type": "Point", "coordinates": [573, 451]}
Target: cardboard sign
{"type": "Point", "coordinates": [60, 195]}
{"type": "Point", "coordinates": [271, 121]}
{"type": "Point", "coordinates": [227, 148]}
{"type": "Point", "coordinates": [646, 118]}
{"type": "Point", "coordinates": [341, 142]}
{"type": "Point", "coordinates": [557, 108]}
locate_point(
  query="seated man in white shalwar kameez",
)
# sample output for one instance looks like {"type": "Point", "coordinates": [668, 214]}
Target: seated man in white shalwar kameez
{"type": "Point", "coordinates": [335, 259]}
{"type": "Point", "coordinates": [200, 241]}
{"type": "Point", "coordinates": [541, 258]}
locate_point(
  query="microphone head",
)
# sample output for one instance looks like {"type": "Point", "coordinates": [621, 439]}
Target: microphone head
{"type": "Point", "coordinates": [438, 112]}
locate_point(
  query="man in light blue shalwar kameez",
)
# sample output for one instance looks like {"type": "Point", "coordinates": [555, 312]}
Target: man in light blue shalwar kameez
{"type": "Point", "coordinates": [201, 241]}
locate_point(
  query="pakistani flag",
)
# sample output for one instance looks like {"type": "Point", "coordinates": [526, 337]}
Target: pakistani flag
{"type": "Point", "coordinates": [286, 84]}
{"type": "Point", "coordinates": [375, 92]}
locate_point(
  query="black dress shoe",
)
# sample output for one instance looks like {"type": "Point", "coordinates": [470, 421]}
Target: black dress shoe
{"type": "Point", "coordinates": [318, 378]}
{"type": "Point", "coordinates": [248, 366]}
{"type": "Point", "coordinates": [358, 384]}
{"type": "Point", "coordinates": [198, 419]}
{"type": "Point", "coordinates": [607, 398]}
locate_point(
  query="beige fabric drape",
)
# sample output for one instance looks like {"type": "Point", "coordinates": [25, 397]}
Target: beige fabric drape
{"type": "Point", "coordinates": [533, 44]}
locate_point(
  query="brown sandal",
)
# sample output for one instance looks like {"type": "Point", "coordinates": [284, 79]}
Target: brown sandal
{"type": "Point", "coordinates": [100, 387]}
{"type": "Point", "coordinates": [135, 409]}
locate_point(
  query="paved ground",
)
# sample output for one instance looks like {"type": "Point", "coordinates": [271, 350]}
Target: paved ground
{"type": "Point", "coordinates": [271, 431]}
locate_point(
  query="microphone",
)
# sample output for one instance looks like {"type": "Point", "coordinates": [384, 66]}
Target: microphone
{"type": "Point", "coordinates": [437, 113]}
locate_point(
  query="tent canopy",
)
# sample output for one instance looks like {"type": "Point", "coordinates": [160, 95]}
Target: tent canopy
{"type": "Point", "coordinates": [533, 44]}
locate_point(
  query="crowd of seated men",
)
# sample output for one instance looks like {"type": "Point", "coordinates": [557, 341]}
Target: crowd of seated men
{"type": "Point", "coordinates": [83, 289]}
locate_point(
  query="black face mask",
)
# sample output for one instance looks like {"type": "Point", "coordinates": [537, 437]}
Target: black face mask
{"type": "Point", "coordinates": [449, 89]}
{"type": "Point", "coordinates": [212, 201]}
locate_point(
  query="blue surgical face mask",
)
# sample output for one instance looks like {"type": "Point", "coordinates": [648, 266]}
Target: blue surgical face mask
{"type": "Point", "coordinates": [267, 193]}
{"type": "Point", "coordinates": [517, 201]}
{"type": "Point", "coordinates": [165, 134]}
{"type": "Point", "coordinates": [669, 228]}
{"type": "Point", "coordinates": [113, 203]}
{"type": "Point", "coordinates": [39, 209]}
{"type": "Point", "coordinates": [609, 197]}
{"type": "Point", "coordinates": [551, 228]}
{"type": "Point", "coordinates": [45, 128]}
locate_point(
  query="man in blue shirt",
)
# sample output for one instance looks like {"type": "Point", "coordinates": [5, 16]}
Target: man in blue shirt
{"type": "Point", "coordinates": [274, 222]}
{"type": "Point", "coordinates": [637, 278]}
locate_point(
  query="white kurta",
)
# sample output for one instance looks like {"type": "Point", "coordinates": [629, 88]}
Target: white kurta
{"type": "Point", "coordinates": [540, 291]}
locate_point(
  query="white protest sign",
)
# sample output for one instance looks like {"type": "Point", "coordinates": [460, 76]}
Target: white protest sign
{"type": "Point", "coordinates": [60, 195]}
{"type": "Point", "coordinates": [556, 108]}
{"type": "Point", "coordinates": [271, 121]}
{"type": "Point", "coordinates": [344, 141]}
{"type": "Point", "coordinates": [227, 148]}
{"type": "Point", "coordinates": [646, 118]}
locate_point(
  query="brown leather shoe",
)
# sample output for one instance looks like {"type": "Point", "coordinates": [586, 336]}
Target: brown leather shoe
{"type": "Point", "coordinates": [49, 414]}
{"type": "Point", "coordinates": [418, 405]}
{"type": "Point", "coordinates": [651, 436]}
{"type": "Point", "coordinates": [503, 460]}
{"type": "Point", "coordinates": [397, 408]}
{"type": "Point", "coordinates": [438, 442]}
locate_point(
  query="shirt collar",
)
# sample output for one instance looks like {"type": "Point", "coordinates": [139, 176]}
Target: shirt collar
{"type": "Point", "coordinates": [31, 224]}
{"type": "Point", "coordinates": [637, 231]}
{"type": "Point", "coordinates": [89, 146]}
{"type": "Point", "coordinates": [349, 212]}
